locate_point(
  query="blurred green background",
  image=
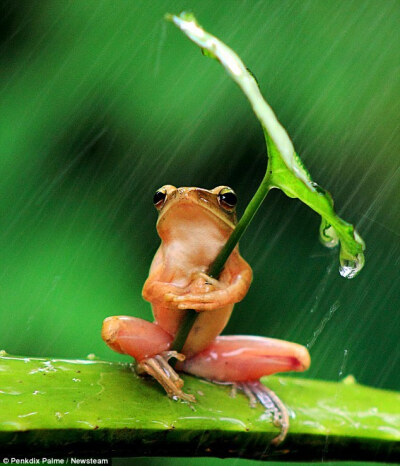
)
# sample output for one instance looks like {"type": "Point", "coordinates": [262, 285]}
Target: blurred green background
{"type": "Point", "coordinates": [103, 102]}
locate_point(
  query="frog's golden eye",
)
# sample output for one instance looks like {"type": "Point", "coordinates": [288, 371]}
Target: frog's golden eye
{"type": "Point", "coordinates": [227, 198]}
{"type": "Point", "coordinates": [159, 198]}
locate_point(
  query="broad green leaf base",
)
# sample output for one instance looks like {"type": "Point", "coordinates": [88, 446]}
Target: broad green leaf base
{"type": "Point", "coordinates": [83, 407]}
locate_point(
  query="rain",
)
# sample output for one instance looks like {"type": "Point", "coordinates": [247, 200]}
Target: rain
{"type": "Point", "coordinates": [104, 102]}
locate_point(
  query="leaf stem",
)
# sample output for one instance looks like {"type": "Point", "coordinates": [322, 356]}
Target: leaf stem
{"type": "Point", "coordinates": [218, 265]}
{"type": "Point", "coordinates": [251, 209]}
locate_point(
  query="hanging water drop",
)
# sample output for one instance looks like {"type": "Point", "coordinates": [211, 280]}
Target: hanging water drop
{"type": "Point", "coordinates": [350, 265]}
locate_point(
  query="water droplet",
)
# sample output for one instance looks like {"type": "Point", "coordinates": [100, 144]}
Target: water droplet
{"type": "Point", "coordinates": [350, 266]}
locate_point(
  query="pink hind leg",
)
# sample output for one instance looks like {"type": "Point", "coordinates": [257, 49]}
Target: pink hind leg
{"type": "Point", "coordinates": [246, 358]}
{"type": "Point", "coordinates": [136, 337]}
{"type": "Point", "coordinates": [149, 344]}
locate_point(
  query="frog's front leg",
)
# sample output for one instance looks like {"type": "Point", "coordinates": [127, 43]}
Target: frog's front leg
{"type": "Point", "coordinates": [244, 360]}
{"type": "Point", "coordinates": [161, 293]}
{"type": "Point", "coordinates": [150, 345]}
{"type": "Point", "coordinates": [207, 294]}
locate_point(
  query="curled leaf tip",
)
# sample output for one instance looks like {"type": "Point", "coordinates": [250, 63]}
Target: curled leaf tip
{"type": "Point", "coordinates": [328, 235]}
{"type": "Point", "coordinates": [286, 170]}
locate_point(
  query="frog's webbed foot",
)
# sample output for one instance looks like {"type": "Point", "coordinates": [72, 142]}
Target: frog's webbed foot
{"type": "Point", "coordinates": [159, 368]}
{"type": "Point", "coordinates": [256, 391]}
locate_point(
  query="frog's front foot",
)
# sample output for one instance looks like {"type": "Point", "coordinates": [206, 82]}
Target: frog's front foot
{"type": "Point", "coordinates": [159, 368]}
{"type": "Point", "coordinates": [257, 392]}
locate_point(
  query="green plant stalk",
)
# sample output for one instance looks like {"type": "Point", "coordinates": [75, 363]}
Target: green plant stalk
{"type": "Point", "coordinates": [101, 409]}
{"type": "Point", "coordinates": [217, 266]}
{"type": "Point", "coordinates": [248, 215]}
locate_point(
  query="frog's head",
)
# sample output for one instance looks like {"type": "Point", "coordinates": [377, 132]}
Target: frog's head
{"type": "Point", "coordinates": [189, 208]}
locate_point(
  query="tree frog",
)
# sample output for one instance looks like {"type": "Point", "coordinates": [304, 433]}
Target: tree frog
{"type": "Point", "coordinates": [193, 225]}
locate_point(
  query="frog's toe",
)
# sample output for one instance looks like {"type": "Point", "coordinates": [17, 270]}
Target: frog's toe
{"type": "Point", "coordinates": [170, 297]}
{"type": "Point", "coordinates": [256, 391]}
{"type": "Point", "coordinates": [199, 306]}
{"type": "Point", "coordinates": [202, 298]}
{"type": "Point", "coordinates": [204, 301]}
{"type": "Point", "coordinates": [192, 297]}
{"type": "Point", "coordinates": [159, 368]}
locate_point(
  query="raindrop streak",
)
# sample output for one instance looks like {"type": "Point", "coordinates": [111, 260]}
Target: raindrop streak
{"type": "Point", "coordinates": [322, 325]}
{"type": "Point", "coordinates": [344, 363]}
{"type": "Point", "coordinates": [160, 47]}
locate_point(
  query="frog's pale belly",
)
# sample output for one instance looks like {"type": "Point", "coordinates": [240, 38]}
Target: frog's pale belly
{"type": "Point", "coordinates": [185, 274]}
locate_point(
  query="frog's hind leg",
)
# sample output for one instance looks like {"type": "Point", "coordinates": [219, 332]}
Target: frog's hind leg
{"type": "Point", "coordinates": [149, 344]}
{"type": "Point", "coordinates": [244, 360]}
{"type": "Point", "coordinates": [136, 337]}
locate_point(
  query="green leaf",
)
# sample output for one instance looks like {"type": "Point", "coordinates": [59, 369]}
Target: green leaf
{"type": "Point", "coordinates": [103, 408]}
{"type": "Point", "coordinates": [333, 229]}
{"type": "Point", "coordinates": [286, 170]}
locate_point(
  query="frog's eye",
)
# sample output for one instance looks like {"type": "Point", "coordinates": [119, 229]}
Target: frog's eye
{"type": "Point", "coordinates": [159, 198]}
{"type": "Point", "coordinates": [227, 198]}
